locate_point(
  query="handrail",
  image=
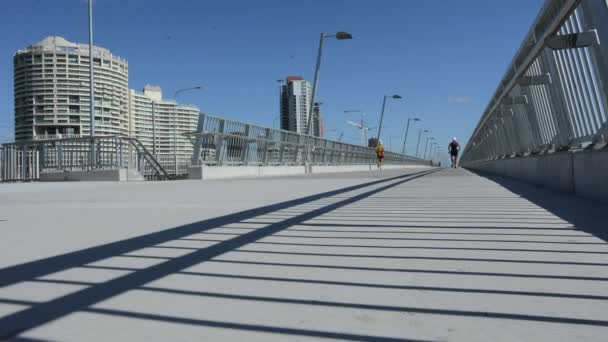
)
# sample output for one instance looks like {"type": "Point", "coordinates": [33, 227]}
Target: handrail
{"type": "Point", "coordinates": [553, 96]}
{"type": "Point", "coordinates": [149, 157]}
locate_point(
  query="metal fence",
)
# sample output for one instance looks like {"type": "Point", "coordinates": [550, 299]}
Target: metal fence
{"type": "Point", "coordinates": [170, 164]}
{"type": "Point", "coordinates": [24, 161]}
{"type": "Point", "coordinates": [553, 96]}
{"type": "Point", "coordinates": [18, 163]}
{"type": "Point", "coordinates": [220, 141]}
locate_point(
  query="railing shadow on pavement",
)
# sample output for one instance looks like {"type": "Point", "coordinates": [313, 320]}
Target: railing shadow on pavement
{"type": "Point", "coordinates": [39, 313]}
{"type": "Point", "coordinates": [585, 215]}
{"type": "Point", "coordinates": [263, 223]}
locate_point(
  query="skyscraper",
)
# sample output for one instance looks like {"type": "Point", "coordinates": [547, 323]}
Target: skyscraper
{"type": "Point", "coordinates": [51, 81]}
{"type": "Point", "coordinates": [295, 104]}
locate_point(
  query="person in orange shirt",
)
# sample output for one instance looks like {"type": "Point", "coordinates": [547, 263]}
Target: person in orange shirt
{"type": "Point", "coordinates": [380, 153]}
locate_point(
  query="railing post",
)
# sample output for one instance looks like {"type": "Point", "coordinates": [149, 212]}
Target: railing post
{"type": "Point", "coordinates": [245, 145]}
{"type": "Point", "coordinates": [564, 129]}
{"type": "Point", "coordinates": [198, 141]}
{"type": "Point", "coordinates": [219, 142]}
{"type": "Point", "coordinates": [595, 16]}
{"type": "Point", "coordinates": [266, 146]}
{"type": "Point", "coordinates": [24, 162]}
{"type": "Point", "coordinates": [60, 155]}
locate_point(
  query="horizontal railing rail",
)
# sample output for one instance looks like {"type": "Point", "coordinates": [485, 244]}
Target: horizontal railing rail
{"type": "Point", "coordinates": [553, 96]}
{"type": "Point", "coordinates": [220, 141]}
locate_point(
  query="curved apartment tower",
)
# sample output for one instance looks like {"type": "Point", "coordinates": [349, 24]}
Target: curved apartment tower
{"type": "Point", "coordinates": [51, 80]}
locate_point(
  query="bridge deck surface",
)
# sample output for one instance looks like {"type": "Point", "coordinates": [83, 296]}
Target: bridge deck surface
{"type": "Point", "coordinates": [381, 256]}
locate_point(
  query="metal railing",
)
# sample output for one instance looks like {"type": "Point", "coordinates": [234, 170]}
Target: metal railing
{"type": "Point", "coordinates": [169, 163]}
{"type": "Point", "coordinates": [19, 163]}
{"type": "Point", "coordinates": [24, 161]}
{"type": "Point", "coordinates": [56, 136]}
{"type": "Point", "coordinates": [219, 141]}
{"type": "Point", "coordinates": [553, 96]}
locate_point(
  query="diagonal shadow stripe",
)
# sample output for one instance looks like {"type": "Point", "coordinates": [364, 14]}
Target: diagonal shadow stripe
{"type": "Point", "coordinates": [401, 232]}
{"type": "Point", "coordinates": [416, 270]}
{"type": "Point", "coordinates": [399, 257]}
{"type": "Point", "coordinates": [430, 239]}
{"type": "Point", "coordinates": [230, 325]}
{"type": "Point", "coordinates": [14, 324]}
{"type": "Point", "coordinates": [341, 283]}
{"type": "Point", "coordinates": [371, 225]}
{"type": "Point", "coordinates": [420, 257]}
{"type": "Point", "coordinates": [423, 247]}
{"type": "Point", "coordinates": [18, 273]}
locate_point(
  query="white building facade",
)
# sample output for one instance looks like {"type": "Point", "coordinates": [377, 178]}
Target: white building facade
{"type": "Point", "coordinates": [51, 80]}
{"type": "Point", "coordinates": [51, 89]}
{"type": "Point", "coordinates": [159, 123]}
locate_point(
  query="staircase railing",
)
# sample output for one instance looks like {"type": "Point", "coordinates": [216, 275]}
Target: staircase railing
{"type": "Point", "coordinates": [151, 163]}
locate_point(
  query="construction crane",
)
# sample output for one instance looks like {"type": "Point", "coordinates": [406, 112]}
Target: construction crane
{"type": "Point", "coordinates": [361, 125]}
{"type": "Point", "coordinates": [363, 128]}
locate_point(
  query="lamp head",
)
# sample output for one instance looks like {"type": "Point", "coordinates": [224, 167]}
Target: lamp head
{"type": "Point", "coordinates": [343, 35]}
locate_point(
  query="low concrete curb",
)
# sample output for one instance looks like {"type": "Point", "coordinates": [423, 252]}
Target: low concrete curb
{"type": "Point", "coordinates": [225, 172]}
{"type": "Point", "coordinates": [584, 173]}
{"type": "Point", "coordinates": [116, 175]}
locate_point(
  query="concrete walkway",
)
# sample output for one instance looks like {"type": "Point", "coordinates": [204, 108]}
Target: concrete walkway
{"type": "Point", "coordinates": [383, 256]}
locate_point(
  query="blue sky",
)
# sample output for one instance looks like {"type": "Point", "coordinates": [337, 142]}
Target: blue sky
{"type": "Point", "coordinates": [445, 57]}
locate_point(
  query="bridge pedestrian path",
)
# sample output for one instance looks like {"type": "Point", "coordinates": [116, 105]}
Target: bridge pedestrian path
{"type": "Point", "coordinates": [417, 255]}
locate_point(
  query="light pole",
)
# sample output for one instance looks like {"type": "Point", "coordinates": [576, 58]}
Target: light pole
{"type": "Point", "coordinates": [175, 122]}
{"type": "Point", "coordinates": [431, 146]}
{"type": "Point", "coordinates": [419, 136]}
{"type": "Point", "coordinates": [281, 83]}
{"type": "Point", "coordinates": [382, 113]}
{"type": "Point", "coordinates": [338, 36]}
{"type": "Point", "coordinates": [91, 90]}
{"type": "Point", "coordinates": [427, 146]}
{"type": "Point", "coordinates": [407, 128]}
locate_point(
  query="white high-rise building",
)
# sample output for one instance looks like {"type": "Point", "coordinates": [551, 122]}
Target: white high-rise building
{"type": "Point", "coordinates": [295, 104]}
{"type": "Point", "coordinates": [159, 123]}
{"type": "Point", "coordinates": [52, 100]}
{"type": "Point", "coordinates": [51, 83]}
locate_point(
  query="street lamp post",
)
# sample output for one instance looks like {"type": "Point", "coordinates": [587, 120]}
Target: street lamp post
{"type": "Point", "coordinates": [431, 147]}
{"type": "Point", "coordinates": [427, 145]}
{"type": "Point", "coordinates": [419, 136]}
{"type": "Point", "coordinates": [407, 128]}
{"type": "Point", "coordinates": [175, 122]}
{"type": "Point", "coordinates": [91, 89]}
{"type": "Point", "coordinates": [338, 36]}
{"type": "Point", "coordinates": [382, 112]}
{"type": "Point", "coordinates": [281, 83]}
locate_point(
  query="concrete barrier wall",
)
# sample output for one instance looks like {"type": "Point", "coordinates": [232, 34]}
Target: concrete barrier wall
{"type": "Point", "coordinates": [224, 172]}
{"type": "Point", "coordinates": [116, 175]}
{"type": "Point", "coordinates": [584, 173]}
